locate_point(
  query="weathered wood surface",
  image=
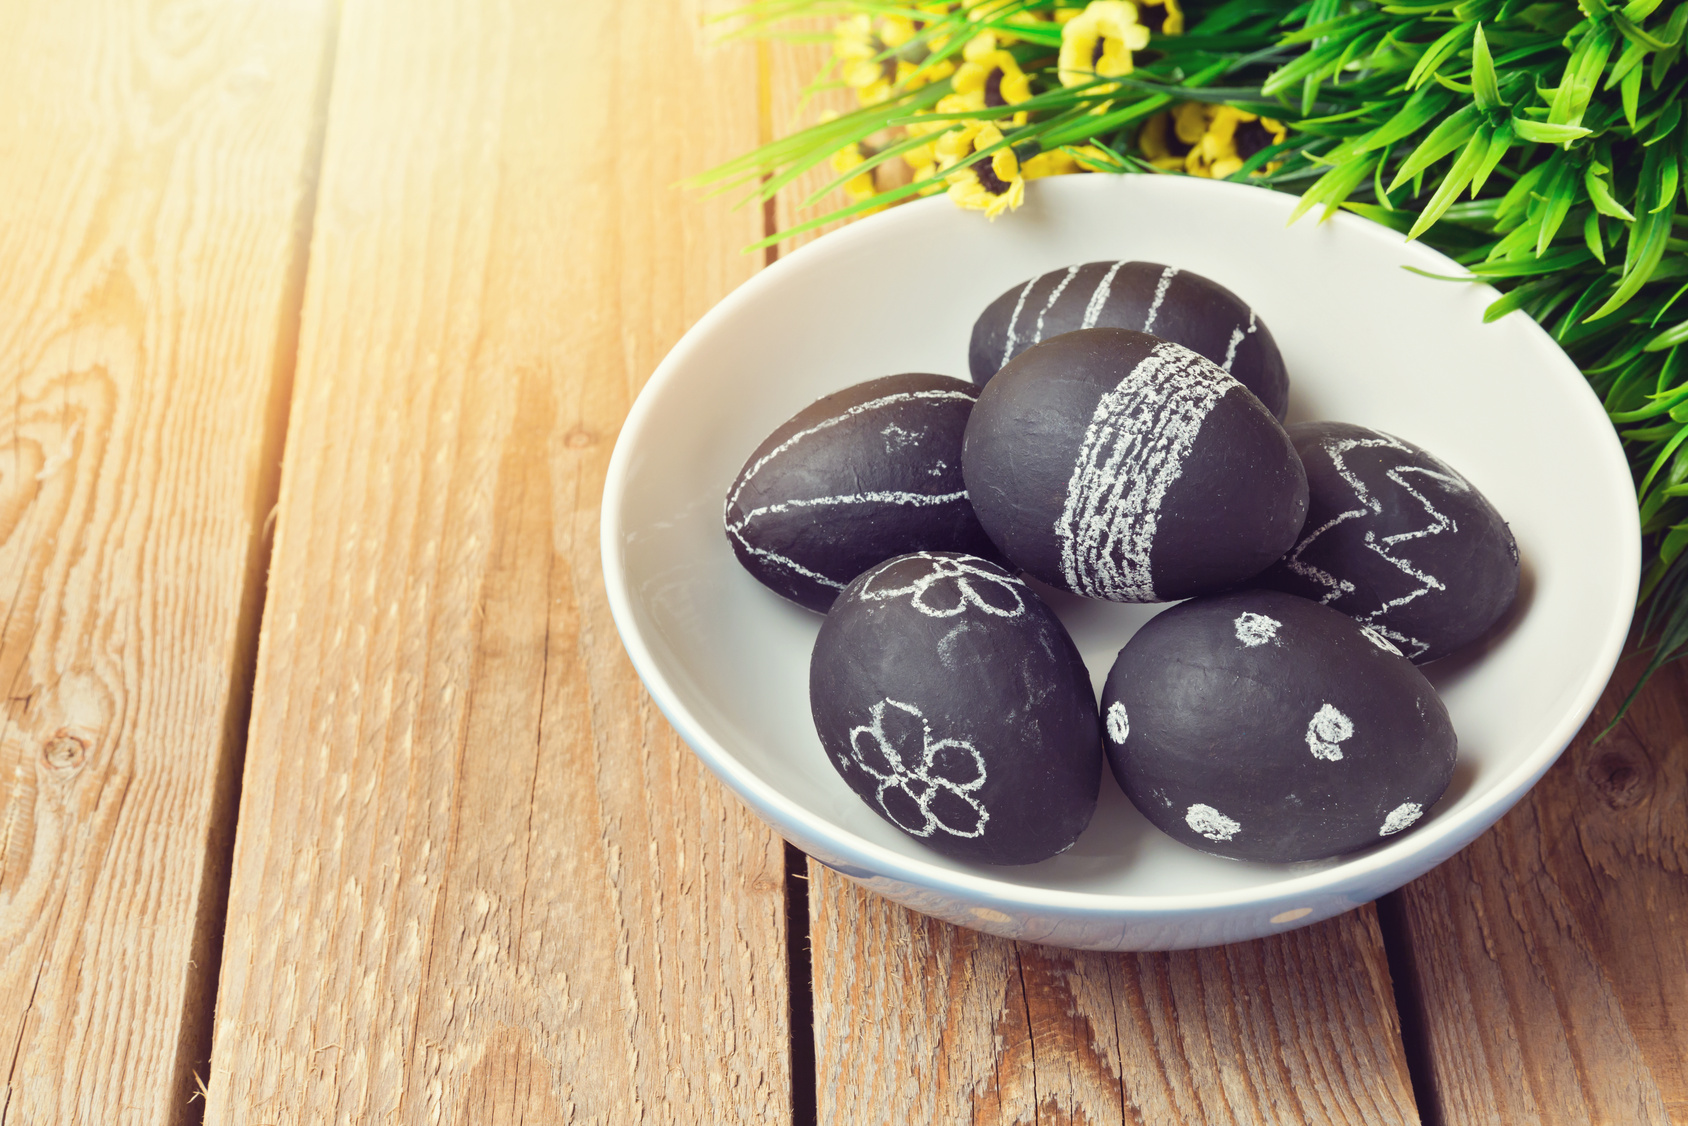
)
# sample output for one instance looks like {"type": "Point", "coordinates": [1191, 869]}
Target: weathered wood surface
{"type": "Point", "coordinates": [477, 878]}
{"type": "Point", "coordinates": [155, 166]}
{"type": "Point", "coordinates": [1550, 959]}
{"type": "Point", "coordinates": [1298, 1028]}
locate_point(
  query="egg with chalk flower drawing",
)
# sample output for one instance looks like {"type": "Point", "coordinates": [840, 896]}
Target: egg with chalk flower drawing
{"type": "Point", "coordinates": [855, 478]}
{"type": "Point", "coordinates": [1398, 539]}
{"type": "Point", "coordinates": [952, 701]}
{"type": "Point", "coordinates": [1170, 303]}
{"type": "Point", "coordinates": [1262, 726]}
{"type": "Point", "coordinates": [1121, 466]}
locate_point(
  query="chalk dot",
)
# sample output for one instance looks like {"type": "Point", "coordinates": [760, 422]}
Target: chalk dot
{"type": "Point", "coordinates": [1119, 725]}
{"type": "Point", "coordinates": [1292, 914]}
{"type": "Point", "coordinates": [1400, 817]}
{"type": "Point", "coordinates": [1210, 823]}
{"type": "Point", "coordinates": [1256, 629]}
{"type": "Point", "coordinates": [1325, 730]}
{"type": "Point", "coordinates": [1379, 640]}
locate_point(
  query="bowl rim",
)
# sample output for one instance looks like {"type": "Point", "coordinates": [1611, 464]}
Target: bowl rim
{"type": "Point", "coordinates": [1435, 838]}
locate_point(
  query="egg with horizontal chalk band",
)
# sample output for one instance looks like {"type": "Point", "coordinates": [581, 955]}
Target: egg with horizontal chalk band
{"type": "Point", "coordinates": [1397, 539]}
{"type": "Point", "coordinates": [1264, 726]}
{"type": "Point", "coordinates": [953, 702]}
{"type": "Point", "coordinates": [1121, 466]}
{"type": "Point", "coordinates": [1170, 303]}
{"type": "Point", "coordinates": [852, 480]}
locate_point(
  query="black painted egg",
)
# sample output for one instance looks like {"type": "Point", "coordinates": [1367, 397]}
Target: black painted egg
{"type": "Point", "coordinates": [951, 699]}
{"type": "Point", "coordinates": [1173, 304]}
{"type": "Point", "coordinates": [1121, 466]}
{"type": "Point", "coordinates": [852, 480]}
{"type": "Point", "coordinates": [1398, 539]}
{"type": "Point", "coordinates": [1262, 726]}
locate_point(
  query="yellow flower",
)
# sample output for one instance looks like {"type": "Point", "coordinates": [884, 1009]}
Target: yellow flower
{"type": "Point", "coordinates": [873, 73]}
{"type": "Point", "coordinates": [923, 158]}
{"type": "Point", "coordinates": [992, 186]}
{"type": "Point", "coordinates": [1164, 16]}
{"type": "Point", "coordinates": [989, 77]}
{"type": "Point", "coordinates": [858, 187]}
{"type": "Point", "coordinates": [1099, 41]}
{"type": "Point", "coordinates": [1167, 138]}
{"type": "Point", "coordinates": [1055, 162]}
{"type": "Point", "coordinates": [1231, 137]}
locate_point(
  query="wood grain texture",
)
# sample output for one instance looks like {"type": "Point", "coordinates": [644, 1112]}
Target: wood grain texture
{"type": "Point", "coordinates": [1298, 1028]}
{"type": "Point", "coordinates": [1549, 959]}
{"type": "Point", "coordinates": [156, 165]}
{"type": "Point", "coordinates": [477, 878]}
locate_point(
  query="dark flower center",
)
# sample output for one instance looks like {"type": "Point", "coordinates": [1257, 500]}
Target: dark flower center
{"type": "Point", "coordinates": [1250, 138]}
{"type": "Point", "coordinates": [988, 179]}
{"type": "Point", "coordinates": [993, 88]}
{"type": "Point", "coordinates": [1096, 55]}
{"type": "Point", "coordinates": [1152, 16]}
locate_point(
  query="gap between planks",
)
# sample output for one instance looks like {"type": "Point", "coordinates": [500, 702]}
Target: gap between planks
{"type": "Point", "coordinates": [193, 1057]}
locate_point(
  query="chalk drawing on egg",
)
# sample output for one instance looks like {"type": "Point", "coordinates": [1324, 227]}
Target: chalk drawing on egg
{"type": "Point", "coordinates": [1119, 724]}
{"type": "Point", "coordinates": [1372, 635]}
{"type": "Point", "coordinates": [1134, 448]}
{"type": "Point", "coordinates": [736, 528]}
{"type": "Point", "coordinates": [1054, 296]}
{"type": "Point", "coordinates": [1012, 339]}
{"type": "Point", "coordinates": [1400, 817]}
{"type": "Point", "coordinates": [1385, 547]}
{"type": "Point", "coordinates": [949, 587]}
{"type": "Point", "coordinates": [1161, 287]}
{"type": "Point", "coordinates": [1325, 730]}
{"type": "Point", "coordinates": [1099, 297]}
{"type": "Point", "coordinates": [920, 774]}
{"type": "Point", "coordinates": [1256, 629]}
{"type": "Point", "coordinates": [1210, 823]}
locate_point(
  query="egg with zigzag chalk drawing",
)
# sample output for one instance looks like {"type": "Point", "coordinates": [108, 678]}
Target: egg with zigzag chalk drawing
{"type": "Point", "coordinates": [1121, 466]}
{"type": "Point", "coordinates": [853, 479]}
{"type": "Point", "coordinates": [1173, 304]}
{"type": "Point", "coordinates": [950, 698]}
{"type": "Point", "coordinates": [1398, 539]}
{"type": "Point", "coordinates": [1261, 726]}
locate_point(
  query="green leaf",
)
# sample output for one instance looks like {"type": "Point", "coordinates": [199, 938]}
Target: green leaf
{"type": "Point", "coordinates": [1582, 72]}
{"type": "Point", "coordinates": [1591, 236]}
{"type": "Point", "coordinates": [1669, 338]}
{"type": "Point", "coordinates": [1630, 91]}
{"type": "Point", "coordinates": [1334, 187]}
{"type": "Point", "coordinates": [1438, 52]}
{"type": "Point", "coordinates": [1647, 238]}
{"type": "Point", "coordinates": [1546, 134]}
{"type": "Point", "coordinates": [1484, 87]}
{"type": "Point", "coordinates": [1425, 106]}
{"type": "Point", "coordinates": [1499, 144]}
{"type": "Point", "coordinates": [1639, 10]}
{"type": "Point", "coordinates": [1464, 168]}
{"type": "Point", "coordinates": [1454, 131]}
{"type": "Point", "coordinates": [1600, 194]}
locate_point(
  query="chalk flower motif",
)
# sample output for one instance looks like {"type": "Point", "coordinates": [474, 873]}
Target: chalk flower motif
{"type": "Point", "coordinates": [1097, 43]}
{"type": "Point", "coordinates": [924, 785]}
{"type": "Point", "coordinates": [951, 586]}
{"type": "Point", "coordinates": [993, 185]}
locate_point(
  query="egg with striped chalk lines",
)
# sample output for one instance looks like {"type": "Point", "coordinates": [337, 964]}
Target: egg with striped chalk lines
{"type": "Point", "coordinates": [950, 698]}
{"type": "Point", "coordinates": [1262, 726]}
{"type": "Point", "coordinates": [1170, 303]}
{"type": "Point", "coordinates": [853, 479]}
{"type": "Point", "coordinates": [1398, 539]}
{"type": "Point", "coordinates": [1117, 465]}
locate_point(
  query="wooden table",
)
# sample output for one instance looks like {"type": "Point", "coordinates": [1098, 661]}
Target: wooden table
{"type": "Point", "coordinates": [329, 793]}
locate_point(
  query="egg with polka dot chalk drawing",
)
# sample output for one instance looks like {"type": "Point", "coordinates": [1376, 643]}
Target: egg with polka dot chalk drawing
{"type": "Point", "coordinates": [1397, 538]}
{"type": "Point", "coordinates": [1114, 464]}
{"type": "Point", "coordinates": [857, 477]}
{"type": "Point", "coordinates": [1261, 726]}
{"type": "Point", "coordinates": [1170, 303]}
{"type": "Point", "coordinates": [952, 701]}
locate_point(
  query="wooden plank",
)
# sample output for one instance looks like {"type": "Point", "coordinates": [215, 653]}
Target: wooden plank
{"type": "Point", "coordinates": [1297, 1028]}
{"type": "Point", "coordinates": [156, 167]}
{"type": "Point", "coordinates": [1548, 964]}
{"type": "Point", "coordinates": [478, 879]}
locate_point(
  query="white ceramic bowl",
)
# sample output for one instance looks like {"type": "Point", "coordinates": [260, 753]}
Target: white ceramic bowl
{"type": "Point", "coordinates": [1365, 341]}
